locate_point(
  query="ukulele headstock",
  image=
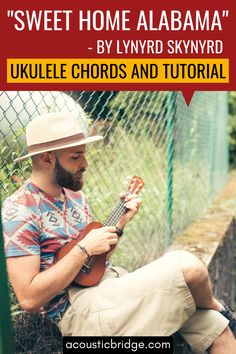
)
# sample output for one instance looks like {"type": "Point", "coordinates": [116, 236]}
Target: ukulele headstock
{"type": "Point", "coordinates": [135, 185]}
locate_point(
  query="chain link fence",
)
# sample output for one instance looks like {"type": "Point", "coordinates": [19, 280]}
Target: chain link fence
{"type": "Point", "coordinates": [201, 154]}
{"type": "Point", "coordinates": [179, 151]}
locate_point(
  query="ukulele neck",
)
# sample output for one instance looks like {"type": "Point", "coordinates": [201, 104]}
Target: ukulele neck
{"type": "Point", "coordinates": [116, 214]}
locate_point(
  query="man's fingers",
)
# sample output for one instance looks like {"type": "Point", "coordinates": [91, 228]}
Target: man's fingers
{"type": "Point", "coordinates": [113, 241]}
{"type": "Point", "coordinates": [111, 235]}
{"type": "Point", "coordinates": [130, 197]}
{"type": "Point", "coordinates": [133, 204]}
{"type": "Point", "coordinates": [109, 229]}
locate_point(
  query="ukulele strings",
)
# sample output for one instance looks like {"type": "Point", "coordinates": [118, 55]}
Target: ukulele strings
{"type": "Point", "coordinates": [112, 220]}
{"type": "Point", "coordinates": [116, 214]}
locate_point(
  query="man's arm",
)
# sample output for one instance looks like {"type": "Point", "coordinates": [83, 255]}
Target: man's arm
{"type": "Point", "coordinates": [35, 289]}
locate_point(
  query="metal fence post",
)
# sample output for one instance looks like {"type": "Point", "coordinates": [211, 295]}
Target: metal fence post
{"type": "Point", "coordinates": [6, 334]}
{"type": "Point", "coordinates": [170, 156]}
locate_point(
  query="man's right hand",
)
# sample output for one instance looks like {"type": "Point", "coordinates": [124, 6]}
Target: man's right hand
{"type": "Point", "coordinates": [99, 241]}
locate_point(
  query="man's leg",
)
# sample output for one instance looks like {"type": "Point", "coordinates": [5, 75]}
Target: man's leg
{"type": "Point", "coordinates": [197, 278]}
{"type": "Point", "coordinates": [198, 281]}
{"type": "Point", "coordinates": [225, 343]}
{"type": "Point", "coordinates": [153, 300]}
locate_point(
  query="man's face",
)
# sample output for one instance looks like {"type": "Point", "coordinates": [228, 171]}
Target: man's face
{"type": "Point", "coordinates": [69, 168]}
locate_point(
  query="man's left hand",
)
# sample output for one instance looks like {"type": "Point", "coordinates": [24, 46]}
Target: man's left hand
{"type": "Point", "coordinates": [132, 204]}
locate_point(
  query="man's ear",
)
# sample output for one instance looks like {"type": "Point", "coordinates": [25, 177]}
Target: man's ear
{"type": "Point", "coordinates": [47, 159]}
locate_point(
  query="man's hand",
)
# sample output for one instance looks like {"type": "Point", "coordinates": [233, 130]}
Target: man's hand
{"type": "Point", "coordinates": [100, 240]}
{"type": "Point", "coordinates": [132, 204]}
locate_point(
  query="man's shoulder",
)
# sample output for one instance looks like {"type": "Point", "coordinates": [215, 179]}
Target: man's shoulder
{"type": "Point", "coordinates": [24, 196]}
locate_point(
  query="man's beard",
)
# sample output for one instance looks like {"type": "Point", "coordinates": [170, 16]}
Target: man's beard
{"type": "Point", "coordinates": [66, 179]}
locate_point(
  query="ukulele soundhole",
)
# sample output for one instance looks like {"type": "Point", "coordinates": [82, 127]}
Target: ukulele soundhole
{"type": "Point", "coordinates": [85, 268]}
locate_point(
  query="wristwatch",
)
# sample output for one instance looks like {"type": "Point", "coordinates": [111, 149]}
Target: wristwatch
{"type": "Point", "coordinates": [119, 231]}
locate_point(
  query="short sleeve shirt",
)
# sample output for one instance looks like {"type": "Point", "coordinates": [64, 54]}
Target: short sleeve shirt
{"type": "Point", "coordinates": [35, 223]}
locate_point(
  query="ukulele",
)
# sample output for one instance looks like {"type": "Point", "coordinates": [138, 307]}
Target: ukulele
{"type": "Point", "coordinates": [93, 270]}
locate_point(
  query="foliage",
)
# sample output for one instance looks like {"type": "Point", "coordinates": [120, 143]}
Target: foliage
{"type": "Point", "coordinates": [140, 111]}
{"type": "Point", "coordinates": [232, 128]}
{"type": "Point", "coordinates": [11, 174]}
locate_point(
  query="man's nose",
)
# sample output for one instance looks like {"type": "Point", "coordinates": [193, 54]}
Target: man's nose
{"type": "Point", "coordinates": [84, 162]}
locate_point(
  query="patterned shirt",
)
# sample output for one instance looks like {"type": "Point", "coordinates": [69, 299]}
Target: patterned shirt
{"type": "Point", "coordinates": [35, 223]}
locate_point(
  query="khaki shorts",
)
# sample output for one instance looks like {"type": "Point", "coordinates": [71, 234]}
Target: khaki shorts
{"type": "Point", "coordinates": [151, 301]}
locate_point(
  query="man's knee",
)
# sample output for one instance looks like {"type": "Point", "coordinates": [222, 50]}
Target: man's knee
{"type": "Point", "coordinates": [193, 269]}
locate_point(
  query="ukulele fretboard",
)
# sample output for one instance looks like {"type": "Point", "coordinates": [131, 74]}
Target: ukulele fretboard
{"type": "Point", "coordinates": [116, 214]}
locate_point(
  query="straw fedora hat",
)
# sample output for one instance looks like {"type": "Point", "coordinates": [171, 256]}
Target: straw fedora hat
{"type": "Point", "coordinates": [54, 131]}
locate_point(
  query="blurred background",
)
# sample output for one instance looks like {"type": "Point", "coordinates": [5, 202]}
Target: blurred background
{"type": "Point", "coordinates": [183, 154]}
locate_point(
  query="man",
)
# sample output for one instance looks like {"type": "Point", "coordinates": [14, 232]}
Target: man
{"type": "Point", "coordinates": [170, 294]}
